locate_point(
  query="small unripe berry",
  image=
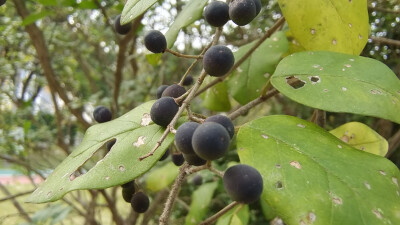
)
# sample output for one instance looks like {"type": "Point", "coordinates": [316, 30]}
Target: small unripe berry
{"type": "Point", "coordinates": [188, 81]}
{"type": "Point", "coordinates": [218, 60]}
{"type": "Point", "coordinates": [102, 114]}
{"type": "Point", "coordinates": [163, 111]}
{"type": "Point", "coordinates": [197, 180]}
{"type": "Point", "coordinates": [140, 202]}
{"type": "Point", "coordinates": [216, 13]}
{"type": "Point", "coordinates": [121, 29]}
{"type": "Point", "coordinates": [155, 41]}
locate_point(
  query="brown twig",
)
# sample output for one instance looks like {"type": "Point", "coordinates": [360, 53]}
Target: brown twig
{"type": "Point", "coordinates": [383, 10]}
{"type": "Point", "coordinates": [16, 195]}
{"type": "Point", "coordinates": [183, 55]}
{"type": "Point", "coordinates": [16, 204]}
{"type": "Point", "coordinates": [217, 215]}
{"type": "Point", "coordinates": [268, 34]}
{"type": "Point", "coordinates": [385, 41]}
{"type": "Point", "coordinates": [394, 143]}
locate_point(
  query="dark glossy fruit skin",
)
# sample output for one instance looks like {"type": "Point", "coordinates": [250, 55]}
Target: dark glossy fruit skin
{"type": "Point", "coordinates": [243, 183]}
{"type": "Point", "coordinates": [155, 41]}
{"type": "Point", "coordinates": [140, 202]}
{"type": "Point", "coordinates": [177, 159]}
{"type": "Point", "coordinates": [242, 12]}
{"type": "Point", "coordinates": [102, 114]}
{"type": "Point", "coordinates": [127, 193]}
{"type": "Point", "coordinates": [164, 156]}
{"type": "Point", "coordinates": [174, 91]}
{"type": "Point", "coordinates": [194, 160]}
{"type": "Point", "coordinates": [197, 180]}
{"type": "Point", "coordinates": [163, 111]}
{"type": "Point", "coordinates": [258, 6]}
{"type": "Point", "coordinates": [130, 184]}
{"type": "Point", "coordinates": [225, 122]}
{"type": "Point", "coordinates": [210, 141]}
{"type": "Point", "coordinates": [2, 2]}
{"type": "Point", "coordinates": [160, 90]}
{"type": "Point", "coordinates": [216, 13]}
{"type": "Point", "coordinates": [121, 29]}
{"type": "Point", "coordinates": [188, 81]}
{"type": "Point", "coordinates": [218, 60]}
{"type": "Point", "coordinates": [110, 144]}
{"type": "Point", "coordinates": [183, 137]}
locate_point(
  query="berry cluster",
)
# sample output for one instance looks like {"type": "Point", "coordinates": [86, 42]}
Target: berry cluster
{"type": "Point", "coordinates": [139, 201]}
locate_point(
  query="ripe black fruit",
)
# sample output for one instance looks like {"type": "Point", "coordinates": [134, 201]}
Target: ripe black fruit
{"type": "Point", "coordinates": [243, 183]}
{"type": "Point", "coordinates": [218, 60]}
{"type": "Point", "coordinates": [121, 29]}
{"type": "Point", "coordinates": [210, 141]}
{"type": "Point", "coordinates": [128, 192]}
{"type": "Point", "coordinates": [242, 12]}
{"type": "Point", "coordinates": [183, 137]}
{"type": "Point", "coordinates": [197, 180]}
{"type": "Point", "coordinates": [177, 159]}
{"type": "Point", "coordinates": [140, 202]}
{"type": "Point", "coordinates": [155, 41]}
{"type": "Point", "coordinates": [216, 13]}
{"type": "Point", "coordinates": [258, 6]}
{"type": "Point", "coordinates": [160, 90]}
{"type": "Point", "coordinates": [194, 160]}
{"type": "Point", "coordinates": [130, 184]}
{"type": "Point", "coordinates": [163, 157]}
{"type": "Point", "coordinates": [188, 81]}
{"type": "Point", "coordinates": [102, 114]}
{"type": "Point", "coordinates": [2, 2]}
{"type": "Point", "coordinates": [163, 111]}
{"type": "Point", "coordinates": [110, 144]}
{"type": "Point", "coordinates": [224, 121]}
{"type": "Point", "coordinates": [174, 91]}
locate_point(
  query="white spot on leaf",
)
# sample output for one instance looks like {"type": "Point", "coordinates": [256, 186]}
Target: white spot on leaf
{"type": "Point", "coordinates": [339, 146]}
{"type": "Point", "coordinates": [146, 119]}
{"type": "Point", "coordinates": [301, 125]}
{"type": "Point", "coordinates": [121, 168]}
{"type": "Point", "coordinates": [264, 136]}
{"type": "Point", "coordinates": [377, 213]}
{"type": "Point", "coordinates": [140, 141]}
{"type": "Point", "coordinates": [394, 179]}
{"type": "Point", "coordinates": [312, 31]}
{"type": "Point", "coordinates": [382, 172]}
{"type": "Point", "coordinates": [344, 89]}
{"type": "Point", "coordinates": [295, 164]}
{"type": "Point", "coordinates": [107, 178]}
{"type": "Point", "coordinates": [367, 185]}
{"type": "Point", "coordinates": [334, 42]}
{"type": "Point", "coordinates": [347, 65]}
{"type": "Point", "coordinates": [312, 217]}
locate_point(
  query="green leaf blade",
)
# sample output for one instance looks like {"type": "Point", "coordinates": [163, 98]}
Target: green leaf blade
{"type": "Point", "coordinates": [318, 179]}
{"type": "Point", "coordinates": [339, 82]}
{"type": "Point", "coordinates": [136, 135]}
{"type": "Point", "coordinates": [201, 199]}
{"type": "Point", "coordinates": [135, 8]}
{"type": "Point", "coordinates": [161, 177]}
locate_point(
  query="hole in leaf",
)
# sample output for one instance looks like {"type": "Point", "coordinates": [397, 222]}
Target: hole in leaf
{"type": "Point", "coordinates": [295, 82]}
{"type": "Point", "coordinates": [278, 185]}
{"type": "Point", "coordinates": [140, 141]}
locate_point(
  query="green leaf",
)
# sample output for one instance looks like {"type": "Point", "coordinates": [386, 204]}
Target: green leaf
{"type": "Point", "coordinates": [48, 2]}
{"type": "Point", "coordinates": [201, 199]}
{"type": "Point", "coordinates": [154, 59]}
{"type": "Point", "coordinates": [246, 82]}
{"type": "Point", "coordinates": [136, 135]}
{"type": "Point", "coordinates": [135, 8]}
{"type": "Point", "coordinates": [87, 5]}
{"type": "Point", "coordinates": [339, 82]}
{"type": "Point", "coordinates": [311, 177]}
{"type": "Point", "coordinates": [362, 137]}
{"type": "Point", "coordinates": [162, 177]}
{"type": "Point", "coordinates": [191, 12]}
{"type": "Point", "coordinates": [34, 17]}
{"type": "Point", "coordinates": [339, 26]}
{"type": "Point", "coordinates": [235, 216]}
{"type": "Point", "coordinates": [216, 98]}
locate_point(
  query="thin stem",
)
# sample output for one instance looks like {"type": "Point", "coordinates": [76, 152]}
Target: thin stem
{"type": "Point", "coordinates": [268, 34]}
{"type": "Point", "coordinates": [183, 55]}
{"type": "Point", "coordinates": [217, 215]}
{"type": "Point", "coordinates": [164, 218]}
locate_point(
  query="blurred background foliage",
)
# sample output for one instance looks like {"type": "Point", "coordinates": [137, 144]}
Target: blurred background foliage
{"type": "Point", "coordinates": [61, 58]}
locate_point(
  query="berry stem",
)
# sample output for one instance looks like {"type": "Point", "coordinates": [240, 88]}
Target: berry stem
{"type": "Point", "coordinates": [217, 215]}
{"type": "Point", "coordinates": [268, 34]}
{"type": "Point", "coordinates": [183, 55]}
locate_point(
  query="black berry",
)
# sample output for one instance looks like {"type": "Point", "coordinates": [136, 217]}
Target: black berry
{"type": "Point", "coordinates": [210, 141]}
{"type": "Point", "coordinates": [197, 180]}
{"type": "Point", "coordinates": [163, 111]}
{"type": "Point", "coordinates": [194, 160]}
{"type": "Point", "coordinates": [177, 159]}
{"type": "Point", "coordinates": [242, 12]}
{"type": "Point", "coordinates": [218, 60]}
{"type": "Point", "coordinates": [216, 13]}
{"type": "Point", "coordinates": [121, 29]}
{"type": "Point", "coordinates": [155, 41]}
{"type": "Point", "coordinates": [188, 81]}
{"type": "Point", "coordinates": [102, 114]}
{"type": "Point", "coordinates": [128, 192]}
{"type": "Point", "coordinates": [164, 156]}
{"type": "Point", "coordinates": [243, 183]}
{"type": "Point", "coordinates": [2, 2]}
{"type": "Point", "coordinates": [130, 184]}
{"type": "Point", "coordinates": [224, 121]}
{"type": "Point", "coordinates": [140, 202]}
{"type": "Point", "coordinates": [183, 137]}
{"type": "Point", "coordinates": [174, 91]}
{"type": "Point", "coordinates": [160, 90]}
{"type": "Point", "coordinates": [258, 6]}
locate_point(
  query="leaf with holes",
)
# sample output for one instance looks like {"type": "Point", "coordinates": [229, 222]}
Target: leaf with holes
{"type": "Point", "coordinates": [201, 199]}
{"type": "Point", "coordinates": [239, 215]}
{"type": "Point", "coordinates": [312, 177]}
{"type": "Point", "coordinates": [161, 177]}
{"type": "Point", "coordinates": [135, 8]}
{"type": "Point", "coordinates": [339, 26]}
{"type": "Point", "coordinates": [216, 98]}
{"type": "Point", "coordinates": [135, 136]}
{"type": "Point", "coordinates": [339, 82]}
{"type": "Point", "coordinates": [247, 81]}
{"type": "Point", "coordinates": [191, 12]}
{"type": "Point", "coordinates": [362, 137]}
